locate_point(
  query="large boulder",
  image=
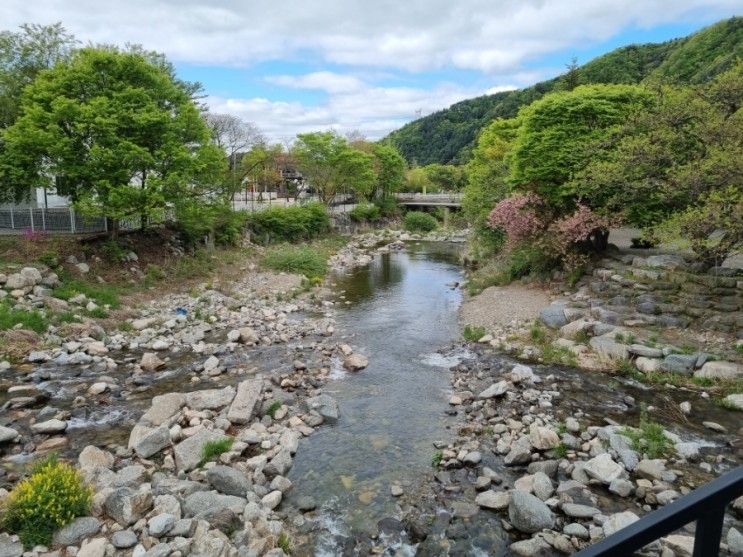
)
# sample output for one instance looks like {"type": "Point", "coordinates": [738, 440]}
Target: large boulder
{"type": "Point", "coordinates": [245, 401]}
{"type": "Point", "coordinates": [325, 405]}
{"type": "Point", "coordinates": [147, 441]}
{"type": "Point", "coordinates": [528, 514]}
{"type": "Point", "coordinates": [679, 363]}
{"type": "Point", "coordinates": [163, 408]}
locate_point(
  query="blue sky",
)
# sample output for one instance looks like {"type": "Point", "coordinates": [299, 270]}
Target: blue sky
{"type": "Point", "coordinates": [353, 65]}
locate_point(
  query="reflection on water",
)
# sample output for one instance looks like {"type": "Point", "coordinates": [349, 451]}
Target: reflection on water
{"type": "Point", "coordinates": [403, 309]}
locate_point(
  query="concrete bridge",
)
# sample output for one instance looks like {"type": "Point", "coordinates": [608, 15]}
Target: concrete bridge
{"type": "Point", "coordinates": [450, 200]}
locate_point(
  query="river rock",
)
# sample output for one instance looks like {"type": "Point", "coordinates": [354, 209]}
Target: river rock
{"type": "Point", "coordinates": [95, 547]}
{"type": "Point", "coordinates": [543, 438]}
{"type": "Point", "coordinates": [576, 510]}
{"type": "Point", "coordinates": [325, 405]}
{"type": "Point", "coordinates": [124, 539]}
{"type": "Point", "coordinates": [646, 351]}
{"type": "Point", "coordinates": [208, 503]}
{"type": "Point", "coordinates": [355, 362]}
{"type": "Point", "coordinates": [147, 442]}
{"type": "Point", "coordinates": [608, 348]}
{"type": "Point", "coordinates": [618, 521]}
{"type": "Point", "coordinates": [735, 400]}
{"type": "Point", "coordinates": [163, 408]}
{"type": "Point", "coordinates": [306, 503]}
{"type": "Point", "coordinates": [76, 531]}
{"type": "Point", "coordinates": [650, 469]}
{"type": "Point", "coordinates": [528, 514]}
{"type": "Point", "coordinates": [210, 399]}
{"type": "Point", "coordinates": [248, 336]}
{"type": "Point", "coordinates": [603, 468]}
{"type": "Point", "coordinates": [126, 506]}
{"type": "Point", "coordinates": [160, 525]}
{"type": "Point", "coordinates": [735, 542]}
{"type": "Point", "coordinates": [93, 457]}
{"type": "Point", "coordinates": [533, 547]}
{"type": "Point", "coordinates": [272, 500]}
{"type": "Point", "coordinates": [495, 500]}
{"type": "Point", "coordinates": [720, 370]}
{"type": "Point", "coordinates": [679, 363]}
{"type": "Point", "coordinates": [50, 426]}
{"type": "Point", "coordinates": [7, 434]}
{"type": "Point", "coordinates": [554, 315]}
{"type": "Point", "coordinates": [647, 365]}
{"type": "Point", "coordinates": [150, 361]}
{"type": "Point", "coordinates": [542, 486]}
{"type": "Point", "coordinates": [244, 404]}
{"type": "Point", "coordinates": [189, 453]}
{"type": "Point", "coordinates": [228, 480]}
{"type": "Point", "coordinates": [9, 547]}
{"type": "Point", "coordinates": [496, 389]}
{"type": "Point", "coordinates": [520, 452]}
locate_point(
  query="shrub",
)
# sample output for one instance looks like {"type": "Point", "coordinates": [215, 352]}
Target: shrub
{"type": "Point", "coordinates": [154, 273]}
{"type": "Point", "coordinates": [418, 221]}
{"type": "Point", "coordinates": [365, 212]}
{"type": "Point", "coordinates": [52, 497]}
{"type": "Point", "coordinates": [649, 437]}
{"type": "Point", "coordinates": [302, 260]}
{"type": "Point", "coordinates": [10, 317]}
{"type": "Point", "coordinates": [289, 224]}
{"type": "Point", "coordinates": [473, 333]}
{"type": "Point", "coordinates": [275, 405]}
{"type": "Point", "coordinates": [436, 459]}
{"type": "Point", "coordinates": [519, 217]}
{"type": "Point", "coordinates": [113, 251]}
{"type": "Point", "coordinates": [196, 222]}
{"type": "Point", "coordinates": [213, 449]}
{"type": "Point", "coordinates": [388, 206]}
{"type": "Point", "coordinates": [49, 258]}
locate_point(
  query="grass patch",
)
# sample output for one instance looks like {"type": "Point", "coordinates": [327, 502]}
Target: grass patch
{"type": "Point", "coordinates": [302, 260]}
{"type": "Point", "coordinates": [275, 405]}
{"type": "Point", "coordinates": [558, 355]}
{"type": "Point", "coordinates": [213, 449]}
{"type": "Point", "coordinates": [537, 334]}
{"type": "Point", "coordinates": [284, 543]}
{"type": "Point", "coordinates": [648, 437]}
{"type": "Point", "coordinates": [10, 317]}
{"type": "Point", "coordinates": [727, 405]}
{"type": "Point", "coordinates": [102, 294]}
{"type": "Point", "coordinates": [436, 459]}
{"type": "Point", "coordinates": [561, 451]}
{"type": "Point", "coordinates": [473, 333]}
{"type": "Point", "coordinates": [52, 497]}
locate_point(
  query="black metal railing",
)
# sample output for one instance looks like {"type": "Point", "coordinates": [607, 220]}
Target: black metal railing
{"type": "Point", "coordinates": [705, 506]}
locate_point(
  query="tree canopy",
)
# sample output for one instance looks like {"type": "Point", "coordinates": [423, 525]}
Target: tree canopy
{"type": "Point", "coordinates": [120, 136]}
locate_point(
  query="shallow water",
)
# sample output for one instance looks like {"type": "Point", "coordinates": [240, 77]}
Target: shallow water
{"type": "Point", "coordinates": [403, 309]}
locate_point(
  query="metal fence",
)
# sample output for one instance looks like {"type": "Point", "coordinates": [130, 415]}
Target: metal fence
{"type": "Point", "coordinates": [58, 220]}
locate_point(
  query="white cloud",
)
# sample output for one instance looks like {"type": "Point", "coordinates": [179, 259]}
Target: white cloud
{"type": "Point", "coordinates": [372, 37]}
{"type": "Point", "coordinates": [412, 35]}
{"type": "Point", "coordinates": [352, 104]}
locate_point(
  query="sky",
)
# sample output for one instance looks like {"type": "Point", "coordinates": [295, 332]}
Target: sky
{"type": "Point", "coordinates": [294, 66]}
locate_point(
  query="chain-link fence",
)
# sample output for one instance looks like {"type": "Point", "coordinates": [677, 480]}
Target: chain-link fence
{"type": "Point", "coordinates": [57, 220]}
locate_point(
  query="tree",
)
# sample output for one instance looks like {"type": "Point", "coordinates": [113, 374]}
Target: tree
{"type": "Point", "coordinates": [235, 137]}
{"type": "Point", "coordinates": [446, 177]}
{"type": "Point", "coordinates": [556, 132]}
{"type": "Point", "coordinates": [570, 79]}
{"type": "Point", "coordinates": [389, 170]}
{"type": "Point", "coordinates": [23, 55]}
{"type": "Point", "coordinates": [331, 165]}
{"type": "Point", "coordinates": [118, 134]}
{"type": "Point", "coordinates": [417, 180]}
{"type": "Point", "coordinates": [261, 165]}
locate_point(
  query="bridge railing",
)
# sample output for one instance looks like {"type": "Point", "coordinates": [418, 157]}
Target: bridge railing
{"type": "Point", "coordinates": [705, 506]}
{"type": "Point", "coordinates": [433, 197]}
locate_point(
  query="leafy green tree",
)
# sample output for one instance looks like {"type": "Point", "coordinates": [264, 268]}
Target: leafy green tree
{"type": "Point", "coordinates": [118, 134]}
{"type": "Point", "coordinates": [23, 54]}
{"type": "Point", "coordinates": [417, 180]}
{"type": "Point", "coordinates": [446, 177]}
{"type": "Point", "coordinates": [486, 183]}
{"type": "Point", "coordinates": [556, 131]}
{"type": "Point", "coordinates": [331, 165]}
{"type": "Point", "coordinates": [389, 170]}
{"type": "Point", "coordinates": [685, 144]}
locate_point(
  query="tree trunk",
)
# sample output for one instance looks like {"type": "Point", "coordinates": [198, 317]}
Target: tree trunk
{"type": "Point", "coordinates": [112, 225]}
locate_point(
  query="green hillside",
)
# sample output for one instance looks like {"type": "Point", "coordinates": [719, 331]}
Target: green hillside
{"type": "Point", "coordinates": [447, 136]}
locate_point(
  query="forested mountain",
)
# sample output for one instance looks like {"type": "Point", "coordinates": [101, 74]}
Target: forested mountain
{"type": "Point", "coordinates": [447, 136]}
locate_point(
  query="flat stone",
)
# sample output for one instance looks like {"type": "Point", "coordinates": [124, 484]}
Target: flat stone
{"type": "Point", "coordinates": [8, 547]}
{"type": "Point", "coordinates": [160, 525]}
{"type": "Point", "coordinates": [163, 408]}
{"type": "Point", "coordinates": [618, 521]}
{"type": "Point", "coordinates": [95, 547]}
{"type": "Point", "coordinates": [126, 506]}
{"type": "Point", "coordinates": [147, 442]}
{"type": "Point", "coordinates": [244, 404]}
{"type": "Point", "coordinates": [189, 452]}
{"type": "Point", "coordinates": [520, 452]}
{"type": "Point", "coordinates": [496, 389]}
{"type": "Point", "coordinates": [679, 363]}
{"type": "Point", "coordinates": [207, 503]}
{"type": "Point", "coordinates": [608, 349]}
{"type": "Point", "coordinates": [603, 468]}
{"type": "Point", "coordinates": [682, 546]}
{"type": "Point", "coordinates": [50, 426]}
{"type": "Point", "coordinates": [76, 531]}
{"type": "Point", "coordinates": [533, 547]}
{"type": "Point", "coordinates": [575, 510]}
{"type": "Point", "coordinates": [720, 370]}
{"type": "Point", "coordinates": [210, 399]}
{"type": "Point", "coordinates": [7, 434]}
{"type": "Point", "coordinates": [495, 500]}
{"type": "Point", "coordinates": [325, 405]}
{"type": "Point", "coordinates": [646, 351]}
